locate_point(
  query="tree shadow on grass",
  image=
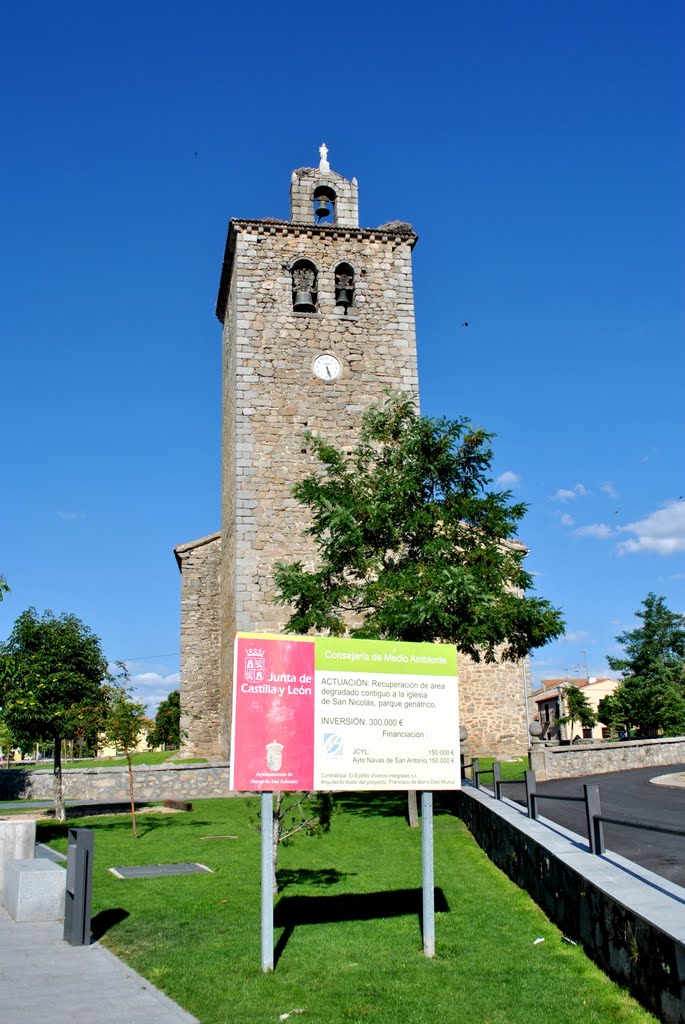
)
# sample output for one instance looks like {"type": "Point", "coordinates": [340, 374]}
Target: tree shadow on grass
{"type": "Point", "coordinates": [387, 803]}
{"type": "Point", "coordinates": [307, 876]}
{"type": "Point", "coordinates": [292, 911]}
{"type": "Point", "coordinates": [47, 831]}
{"type": "Point", "coordinates": [106, 919]}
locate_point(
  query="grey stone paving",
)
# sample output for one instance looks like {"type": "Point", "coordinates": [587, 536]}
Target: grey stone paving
{"type": "Point", "coordinates": [42, 978]}
{"type": "Point", "coordinates": [160, 870]}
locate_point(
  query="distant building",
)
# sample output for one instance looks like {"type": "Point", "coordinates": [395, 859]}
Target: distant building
{"type": "Point", "coordinates": [106, 749]}
{"type": "Point", "coordinates": [549, 706]}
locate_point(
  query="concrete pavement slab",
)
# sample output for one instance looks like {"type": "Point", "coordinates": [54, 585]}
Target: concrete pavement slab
{"type": "Point", "coordinates": [44, 978]}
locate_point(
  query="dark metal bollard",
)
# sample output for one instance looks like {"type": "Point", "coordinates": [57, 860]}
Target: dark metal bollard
{"type": "Point", "coordinates": [79, 885]}
{"type": "Point", "coordinates": [595, 828]}
{"type": "Point", "coordinates": [497, 779]}
{"type": "Point", "coordinates": [530, 794]}
{"type": "Point", "coordinates": [475, 776]}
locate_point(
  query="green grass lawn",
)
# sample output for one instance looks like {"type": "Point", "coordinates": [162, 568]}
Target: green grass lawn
{"type": "Point", "coordinates": [146, 757]}
{"type": "Point", "coordinates": [513, 769]}
{"type": "Point", "coordinates": [347, 925]}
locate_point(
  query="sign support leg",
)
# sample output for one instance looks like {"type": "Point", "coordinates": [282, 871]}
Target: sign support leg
{"type": "Point", "coordinates": [267, 882]}
{"type": "Point", "coordinates": [428, 874]}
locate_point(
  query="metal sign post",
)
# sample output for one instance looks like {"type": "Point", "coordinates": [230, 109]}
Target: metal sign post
{"type": "Point", "coordinates": [399, 731]}
{"type": "Point", "coordinates": [267, 882]}
{"type": "Point", "coordinates": [428, 880]}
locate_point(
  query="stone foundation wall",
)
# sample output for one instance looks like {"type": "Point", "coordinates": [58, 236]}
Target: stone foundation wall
{"type": "Point", "coordinates": [151, 782]}
{"type": "Point", "coordinates": [552, 762]}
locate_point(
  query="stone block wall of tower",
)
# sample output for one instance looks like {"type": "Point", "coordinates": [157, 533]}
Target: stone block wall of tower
{"type": "Point", "coordinates": [271, 395]}
{"type": "Point", "coordinates": [201, 707]}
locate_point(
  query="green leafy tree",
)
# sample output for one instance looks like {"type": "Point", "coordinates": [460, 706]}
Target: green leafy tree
{"type": "Point", "coordinates": [4, 589]}
{"type": "Point", "coordinates": [578, 709]}
{"type": "Point", "coordinates": [52, 682]}
{"type": "Point", "coordinates": [124, 725]}
{"type": "Point", "coordinates": [610, 714]}
{"type": "Point", "coordinates": [412, 543]}
{"type": "Point", "coordinates": [651, 694]}
{"type": "Point", "coordinates": [167, 729]}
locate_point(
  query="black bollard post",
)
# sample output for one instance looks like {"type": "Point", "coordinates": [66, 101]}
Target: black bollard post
{"type": "Point", "coordinates": [79, 885]}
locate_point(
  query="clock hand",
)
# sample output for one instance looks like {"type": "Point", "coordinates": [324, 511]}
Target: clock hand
{"type": "Point", "coordinates": [328, 370]}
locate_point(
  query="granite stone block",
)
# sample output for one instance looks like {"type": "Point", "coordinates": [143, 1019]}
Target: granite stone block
{"type": "Point", "coordinates": [33, 890]}
{"type": "Point", "coordinates": [17, 841]}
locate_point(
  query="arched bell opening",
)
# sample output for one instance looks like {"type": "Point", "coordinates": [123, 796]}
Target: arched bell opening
{"type": "Point", "coordinates": [344, 286]}
{"type": "Point", "coordinates": [304, 283]}
{"type": "Point", "coordinates": [324, 204]}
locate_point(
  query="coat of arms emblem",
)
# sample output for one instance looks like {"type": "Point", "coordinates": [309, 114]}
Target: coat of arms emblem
{"type": "Point", "coordinates": [255, 665]}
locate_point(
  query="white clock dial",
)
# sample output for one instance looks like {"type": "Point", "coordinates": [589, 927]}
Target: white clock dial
{"type": "Point", "coordinates": [327, 367]}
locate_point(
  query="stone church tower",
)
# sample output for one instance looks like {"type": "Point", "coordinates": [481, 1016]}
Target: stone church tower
{"type": "Point", "coordinates": [318, 320]}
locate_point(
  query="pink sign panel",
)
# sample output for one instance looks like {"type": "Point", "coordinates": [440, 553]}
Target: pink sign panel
{"type": "Point", "coordinates": [273, 715]}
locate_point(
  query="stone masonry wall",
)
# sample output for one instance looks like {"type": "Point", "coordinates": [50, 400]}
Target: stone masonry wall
{"type": "Point", "coordinates": [151, 782]}
{"type": "Point", "coordinates": [554, 762]}
{"type": "Point", "coordinates": [492, 707]}
{"type": "Point", "coordinates": [200, 645]}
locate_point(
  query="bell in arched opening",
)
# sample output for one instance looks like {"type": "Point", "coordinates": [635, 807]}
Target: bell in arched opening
{"type": "Point", "coordinates": [304, 287]}
{"type": "Point", "coordinates": [344, 286]}
{"type": "Point", "coordinates": [324, 204]}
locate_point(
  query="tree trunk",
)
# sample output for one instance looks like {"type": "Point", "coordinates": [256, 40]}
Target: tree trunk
{"type": "Point", "coordinates": [412, 809]}
{"type": "Point", "coordinates": [278, 800]}
{"type": "Point", "coordinates": [130, 792]}
{"type": "Point", "coordinates": [60, 814]}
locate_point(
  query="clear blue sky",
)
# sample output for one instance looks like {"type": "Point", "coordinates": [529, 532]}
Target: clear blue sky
{"type": "Point", "coordinates": [538, 150]}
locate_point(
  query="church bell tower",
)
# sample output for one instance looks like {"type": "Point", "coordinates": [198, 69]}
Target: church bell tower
{"type": "Point", "coordinates": [318, 320]}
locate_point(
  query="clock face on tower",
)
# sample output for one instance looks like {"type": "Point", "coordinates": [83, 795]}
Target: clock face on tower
{"type": "Point", "coordinates": [327, 367]}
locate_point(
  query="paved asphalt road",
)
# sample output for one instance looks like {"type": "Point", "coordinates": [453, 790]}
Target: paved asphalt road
{"type": "Point", "coordinates": [627, 794]}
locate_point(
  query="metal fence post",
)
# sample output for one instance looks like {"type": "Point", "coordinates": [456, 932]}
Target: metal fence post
{"type": "Point", "coordinates": [475, 772]}
{"type": "Point", "coordinates": [78, 886]}
{"type": "Point", "coordinates": [530, 794]}
{"type": "Point", "coordinates": [497, 779]}
{"type": "Point", "coordinates": [595, 828]}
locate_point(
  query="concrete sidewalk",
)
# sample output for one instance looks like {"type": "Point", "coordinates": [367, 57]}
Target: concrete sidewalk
{"type": "Point", "coordinates": [44, 978]}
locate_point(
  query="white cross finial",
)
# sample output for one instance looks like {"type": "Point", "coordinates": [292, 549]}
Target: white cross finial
{"type": "Point", "coordinates": [323, 153]}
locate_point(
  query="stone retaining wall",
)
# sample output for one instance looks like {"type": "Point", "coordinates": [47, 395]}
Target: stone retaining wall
{"type": "Point", "coordinates": [553, 762]}
{"type": "Point", "coordinates": [630, 948]}
{"type": "Point", "coordinates": [151, 782]}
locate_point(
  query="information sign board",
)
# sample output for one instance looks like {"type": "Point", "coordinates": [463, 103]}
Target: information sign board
{"type": "Point", "coordinates": [327, 713]}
